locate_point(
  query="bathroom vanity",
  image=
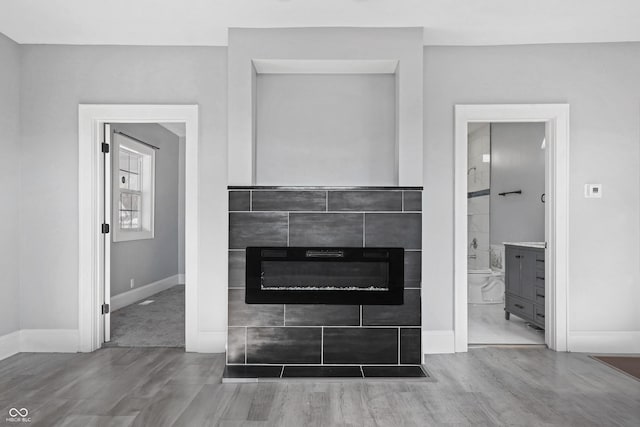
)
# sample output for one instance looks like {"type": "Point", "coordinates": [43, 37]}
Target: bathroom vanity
{"type": "Point", "coordinates": [524, 281]}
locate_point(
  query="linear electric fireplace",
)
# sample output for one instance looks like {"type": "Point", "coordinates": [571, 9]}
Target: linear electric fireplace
{"type": "Point", "coordinates": [321, 275]}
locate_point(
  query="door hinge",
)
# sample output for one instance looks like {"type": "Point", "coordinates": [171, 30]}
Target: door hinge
{"type": "Point", "coordinates": [105, 308]}
{"type": "Point", "coordinates": [105, 147]}
{"type": "Point", "coordinates": [105, 228]}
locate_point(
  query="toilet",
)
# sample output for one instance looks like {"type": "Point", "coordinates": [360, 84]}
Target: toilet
{"type": "Point", "coordinates": [487, 286]}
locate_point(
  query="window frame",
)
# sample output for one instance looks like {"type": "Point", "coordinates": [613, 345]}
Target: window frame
{"type": "Point", "coordinates": [147, 177]}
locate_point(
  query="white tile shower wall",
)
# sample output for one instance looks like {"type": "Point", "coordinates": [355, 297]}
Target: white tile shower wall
{"type": "Point", "coordinates": [478, 260]}
{"type": "Point", "coordinates": [479, 223]}
{"type": "Point", "coordinates": [478, 178]}
{"type": "Point", "coordinates": [479, 174]}
{"type": "Point", "coordinates": [478, 229]}
{"type": "Point", "coordinates": [478, 205]}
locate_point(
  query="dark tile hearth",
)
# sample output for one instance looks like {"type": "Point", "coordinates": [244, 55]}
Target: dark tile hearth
{"type": "Point", "coordinates": [242, 373]}
{"type": "Point", "coordinates": [393, 371]}
{"type": "Point", "coordinates": [322, 372]}
{"type": "Point", "coordinates": [252, 371]}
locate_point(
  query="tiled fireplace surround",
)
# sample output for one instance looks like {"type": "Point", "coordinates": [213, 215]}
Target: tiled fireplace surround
{"type": "Point", "coordinates": [279, 334]}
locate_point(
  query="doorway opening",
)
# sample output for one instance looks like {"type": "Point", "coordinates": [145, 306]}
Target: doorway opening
{"type": "Point", "coordinates": [506, 233]}
{"type": "Point", "coordinates": [554, 266]}
{"type": "Point", "coordinates": [97, 219]}
{"type": "Point", "coordinates": [144, 256]}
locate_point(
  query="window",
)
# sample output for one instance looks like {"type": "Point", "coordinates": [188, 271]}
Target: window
{"type": "Point", "coordinates": [133, 189]}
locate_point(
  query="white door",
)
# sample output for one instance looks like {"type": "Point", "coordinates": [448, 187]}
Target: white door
{"type": "Point", "coordinates": [105, 210]}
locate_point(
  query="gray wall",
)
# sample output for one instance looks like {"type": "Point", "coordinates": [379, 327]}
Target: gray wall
{"type": "Point", "coordinates": [150, 260]}
{"type": "Point", "coordinates": [10, 188]}
{"type": "Point", "coordinates": [326, 129]}
{"type": "Point", "coordinates": [598, 80]}
{"type": "Point", "coordinates": [517, 163]}
{"type": "Point", "coordinates": [55, 79]}
{"type": "Point", "coordinates": [601, 83]}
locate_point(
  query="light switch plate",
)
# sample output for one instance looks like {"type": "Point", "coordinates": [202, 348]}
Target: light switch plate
{"type": "Point", "coordinates": [593, 191]}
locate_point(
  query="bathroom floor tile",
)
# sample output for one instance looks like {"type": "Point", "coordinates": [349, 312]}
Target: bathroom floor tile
{"type": "Point", "coordinates": [487, 325]}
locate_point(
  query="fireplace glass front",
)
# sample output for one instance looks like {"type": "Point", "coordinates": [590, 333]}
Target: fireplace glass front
{"type": "Point", "coordinates": [304, 275]}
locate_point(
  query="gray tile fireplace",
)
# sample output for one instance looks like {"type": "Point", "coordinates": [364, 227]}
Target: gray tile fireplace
{"type": "Point", "coordinates": [324, 334]}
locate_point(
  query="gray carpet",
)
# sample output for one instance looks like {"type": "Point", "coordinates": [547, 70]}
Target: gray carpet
{"type": "Point", "coordinates": [159, 324]}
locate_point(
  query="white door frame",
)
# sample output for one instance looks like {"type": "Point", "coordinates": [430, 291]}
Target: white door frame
{"type": "Point", "coordinates": [91, 265]}
{"type": "Point", "coordinates": [556, 117]}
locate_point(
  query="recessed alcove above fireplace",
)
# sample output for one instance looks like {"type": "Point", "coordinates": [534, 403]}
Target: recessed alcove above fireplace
{"type": "Point", "coordinates": [326, 129]}
{"type": "Point", "coordinates": [325, 106]}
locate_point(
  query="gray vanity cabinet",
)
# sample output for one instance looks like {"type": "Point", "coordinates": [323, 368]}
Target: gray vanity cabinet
{"type": "Point", "coordinates": [524, 283]}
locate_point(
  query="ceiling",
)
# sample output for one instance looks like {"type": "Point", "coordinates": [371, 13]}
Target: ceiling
{"type": "Point", "coordinates": [205, 22]}
{"type": "Point", "coordinates": [178, 129]}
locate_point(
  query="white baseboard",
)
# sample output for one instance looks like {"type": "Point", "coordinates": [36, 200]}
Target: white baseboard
{"type": "Point", "coordinates": [438, 342]}
{"type": "Point", "coordinates": [136, 294]}
{"type": "Point", "coordinates": [49, 340]}
{"type": "Point", "coordinates": [604, 342]}
{"type": "Point", "coordinates": [39, 341]}
{"type": "Point", "coordinates": [212, 342]}
{"type": "Point", "coordinates": [9, 344]}
{"type": "Point", "coordinates": [181, 278]}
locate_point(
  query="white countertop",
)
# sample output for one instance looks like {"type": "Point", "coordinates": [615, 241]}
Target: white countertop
{"type": "Point", "coordinates": [539, 245]}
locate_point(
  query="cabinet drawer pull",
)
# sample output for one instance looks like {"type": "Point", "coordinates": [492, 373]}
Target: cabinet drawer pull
{"type": "Point", "coordinates": [540, 260]}
{"type": "Point", "coordinates": [539, 278]}
{"type": "Point", "coordinates": [521, 307]}
{"type": "Point", "coordinates": [540, 296]}
{"type": "Point", "coordinates": [540, 315]}
{"type": "Point", "coordinates": [518, 256]}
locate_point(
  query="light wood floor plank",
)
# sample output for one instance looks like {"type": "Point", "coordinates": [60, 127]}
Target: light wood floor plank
{"type": "Point", "coordinates": [167, 387]}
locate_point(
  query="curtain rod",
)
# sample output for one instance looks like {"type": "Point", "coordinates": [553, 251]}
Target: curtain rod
{"type": "Point", "coordinates": [136, 139]}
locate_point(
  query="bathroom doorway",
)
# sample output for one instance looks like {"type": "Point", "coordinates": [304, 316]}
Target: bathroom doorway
{"type": "Point", "coordinates": [557, 286]}
{"type": "Point", "coordinates": [506, 233]}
